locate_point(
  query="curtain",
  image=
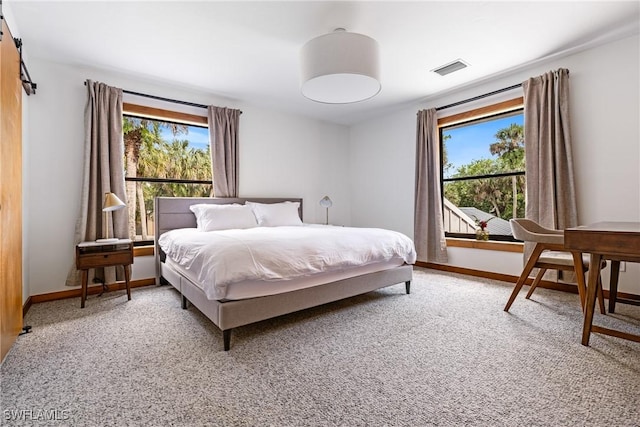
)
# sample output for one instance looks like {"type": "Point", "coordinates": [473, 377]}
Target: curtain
{"type": "Point", "coordinates": [103, 172]}
{"type": "Point", "coordinates": [551, 194]}
{"type": "Point", "coordinates": [429, 239]}
{"type": "Point", "coordinates": [223, 135]}
{"type": "Point", "coordinates": [551, 198]}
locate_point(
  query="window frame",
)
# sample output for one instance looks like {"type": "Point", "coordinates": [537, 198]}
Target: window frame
{"type": "Point", "coordinates": [495, 109]}
{"type": "Point", "coordinates": [161, 114]}
{"type": "Point", "coordinates": [153, 113]}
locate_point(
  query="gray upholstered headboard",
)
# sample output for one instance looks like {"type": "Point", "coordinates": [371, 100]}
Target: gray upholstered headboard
{"type": "Point", "coordinates": [173, 212]}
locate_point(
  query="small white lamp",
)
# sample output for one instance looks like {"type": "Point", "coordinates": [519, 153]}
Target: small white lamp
{"type": "Point", "coordinates": [111, 203]}
{"type": "Point", "coordinates": [326, 203]}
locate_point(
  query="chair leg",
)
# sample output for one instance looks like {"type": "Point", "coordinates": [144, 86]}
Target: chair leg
{"type": "Point", "coordinates": [533, 259]}
{"type": "Point", "coordinates": [536, 282]}
{"type": "Point", "coordinates": [613, 285]}
{"type": "Point", "coordinates": [516, 290]}
{"type": "Point", "coordinates": [600, 295]}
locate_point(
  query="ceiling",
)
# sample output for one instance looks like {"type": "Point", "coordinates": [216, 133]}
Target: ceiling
{"type": "Point", "coordinates": [249, 51]}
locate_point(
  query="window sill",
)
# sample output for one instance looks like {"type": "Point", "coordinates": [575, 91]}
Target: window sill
{"type": "Point", "coordinates": [490, 245]}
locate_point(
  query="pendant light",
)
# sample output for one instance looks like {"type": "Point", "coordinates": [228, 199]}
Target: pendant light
{"type": "Point", "coordinates": [340, 68]}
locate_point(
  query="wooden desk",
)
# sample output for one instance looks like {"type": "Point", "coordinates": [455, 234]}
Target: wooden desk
{"type": "Point", "coordinates": [616, 241]}
{"type": "Point", "coordinates": [96, 254]}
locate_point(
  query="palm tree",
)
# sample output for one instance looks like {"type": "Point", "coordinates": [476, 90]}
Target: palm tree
{"type": "Point", "coordinates": [150, 164]}
{"type": "Point", "coordinates": [510, 148]}
{"type": "Point", "coordinates": [139, 133]}
{"type": "Point", "coordinates": [492, 194]}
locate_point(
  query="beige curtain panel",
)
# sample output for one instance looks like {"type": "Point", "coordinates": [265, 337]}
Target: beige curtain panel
{"type": "Point", "coordinates": [429, 238]}
{"type": "Point", "coordinates": [551, 198]}
{"type": "Point", "coordinates": [551, 194]}
{"type": "Point", "coordinates": [103, 172]}
{"type": "Point", "coordinates": [223, 136]}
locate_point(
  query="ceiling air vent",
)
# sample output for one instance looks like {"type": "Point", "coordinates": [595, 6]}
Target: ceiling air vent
{"type": "Point", "coordinates": [456, 65]}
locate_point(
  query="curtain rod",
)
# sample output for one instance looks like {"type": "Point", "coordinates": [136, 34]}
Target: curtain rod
{"type": "Point", "coordinates": [160, 98]}
{"type": "Point", "coordinates": [475, 98]}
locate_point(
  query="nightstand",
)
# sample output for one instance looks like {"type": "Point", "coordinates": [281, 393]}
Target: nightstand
{"type": "Point", "coordinates": [96, 254]}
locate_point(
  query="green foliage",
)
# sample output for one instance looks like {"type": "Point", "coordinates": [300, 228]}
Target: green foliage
{"type": "Point", "coordinates": [494, 195]}
{"type": "Point", "coordinates": [176, 160]}
{"type": "Point", "coordinates": [149, 155]}
{"type": "Point", "coordinates": [509, 147]}
{"type": "Point", "coordinates": [446, 165]}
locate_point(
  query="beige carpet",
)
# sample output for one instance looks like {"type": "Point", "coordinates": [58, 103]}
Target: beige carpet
{"type": "Point", "coordinates": [446, 355]}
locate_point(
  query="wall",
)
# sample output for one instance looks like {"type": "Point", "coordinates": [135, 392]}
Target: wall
{"type": "Point", "coordinates": [605, 89]}
{"type": "Point", "coordinates": [280, 155]}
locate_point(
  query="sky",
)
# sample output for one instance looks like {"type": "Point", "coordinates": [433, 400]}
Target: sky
{"type": "Point", "coordinates": [198, 137]}
{"type": "Point", "coordinates": [472, 142]}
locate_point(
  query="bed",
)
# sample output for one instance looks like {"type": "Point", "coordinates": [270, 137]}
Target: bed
{"type": "Point", "coordinates": [233, 306]}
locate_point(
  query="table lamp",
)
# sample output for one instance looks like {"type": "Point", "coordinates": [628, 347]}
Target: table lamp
{"type": "Point", "coordinates": [326, 203]}
{"type": "Point", "coordinates": [111, 203]}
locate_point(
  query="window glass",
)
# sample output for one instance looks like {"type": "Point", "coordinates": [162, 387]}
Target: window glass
{"type": "Point", "coordinates": [162, 158]}
{"type": "Point", "coordinates": [483, 175]}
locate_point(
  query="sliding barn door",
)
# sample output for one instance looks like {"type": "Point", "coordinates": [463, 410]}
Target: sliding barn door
{"type": "Point", "coordinates": [10, 192]}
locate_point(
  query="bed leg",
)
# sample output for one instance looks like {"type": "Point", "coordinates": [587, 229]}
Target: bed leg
{"type": "Point", "coordinates": [407, 286]}
{"type": "Point", "coordinates": [184, 302]}
{"type": "Point", "coordinates": [226, 338]}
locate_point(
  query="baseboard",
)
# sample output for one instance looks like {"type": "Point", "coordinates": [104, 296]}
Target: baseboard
{"type": "Point", "coordinates": [93, 290]}
{"type": "Point", "coordinates": [565, 287]}
{"type": "Point", "coordinates": [77, 292]}
{"type": "Point", "coordinates": [26, 306]}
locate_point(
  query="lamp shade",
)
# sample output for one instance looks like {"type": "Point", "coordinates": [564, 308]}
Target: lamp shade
{"type": "Point", "coordinates": [326, 202]}
{"type": "Point", "coordinates": [112, 203]}
{"type": "Point", "coordinates": [340, 68]}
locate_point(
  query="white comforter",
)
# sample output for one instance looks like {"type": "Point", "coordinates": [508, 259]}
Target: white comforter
{"type": "Point", "coordinates": [219, 258]}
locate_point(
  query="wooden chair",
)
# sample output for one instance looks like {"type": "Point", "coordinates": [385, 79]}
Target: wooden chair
{"type": "Point", "coordinates": [549, 254]}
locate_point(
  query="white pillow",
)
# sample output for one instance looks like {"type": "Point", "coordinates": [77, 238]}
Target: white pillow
{"type": "Point", "coordinates": [276, 214]}
{"type": "Point", "coordinates": [223, 217]}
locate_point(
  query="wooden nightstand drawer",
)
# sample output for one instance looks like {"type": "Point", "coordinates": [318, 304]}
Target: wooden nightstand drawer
{"type": "Point", "coordinates": [104, 254]}
{"type": "Point", "coordinates": [102, 259]}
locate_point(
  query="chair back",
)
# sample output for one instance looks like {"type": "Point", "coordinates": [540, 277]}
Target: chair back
{"type": "Point", "coordinates": [530, 231]}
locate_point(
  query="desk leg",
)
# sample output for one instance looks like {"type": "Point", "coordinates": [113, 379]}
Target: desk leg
{"type": "Point", "coordinates": [580, 281]}
{"type": "Point", "coordinates": [592, 288]}
{"type": "Point", "coordinates": [613, 285]}
{"type": "Point", "coordinates": [127, 279]}
{"type": "Point", "coordinates": [83, 295]}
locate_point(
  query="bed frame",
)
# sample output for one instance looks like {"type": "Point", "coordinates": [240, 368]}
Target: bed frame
{"type": "Point", "coordinates": [173, 212]}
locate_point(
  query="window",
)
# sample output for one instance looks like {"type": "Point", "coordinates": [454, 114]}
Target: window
{"type": "Point", "coordinates": [483, 170]}
{"type": "Point", "coordinates": [166, 154]}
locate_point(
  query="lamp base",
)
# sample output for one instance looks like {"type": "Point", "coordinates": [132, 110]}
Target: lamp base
{"type": "Point", "coordinates": [111, 240]}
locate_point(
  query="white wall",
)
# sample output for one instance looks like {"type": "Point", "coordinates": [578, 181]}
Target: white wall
{"type": "Point", "coordinates": [382, 172]}
{"type": "Point", "coordinates": [291, 157]}
{"type": "Point", "coordinates": [605, 90]}
{"type": "Point", "coordinates": [280, 155]}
